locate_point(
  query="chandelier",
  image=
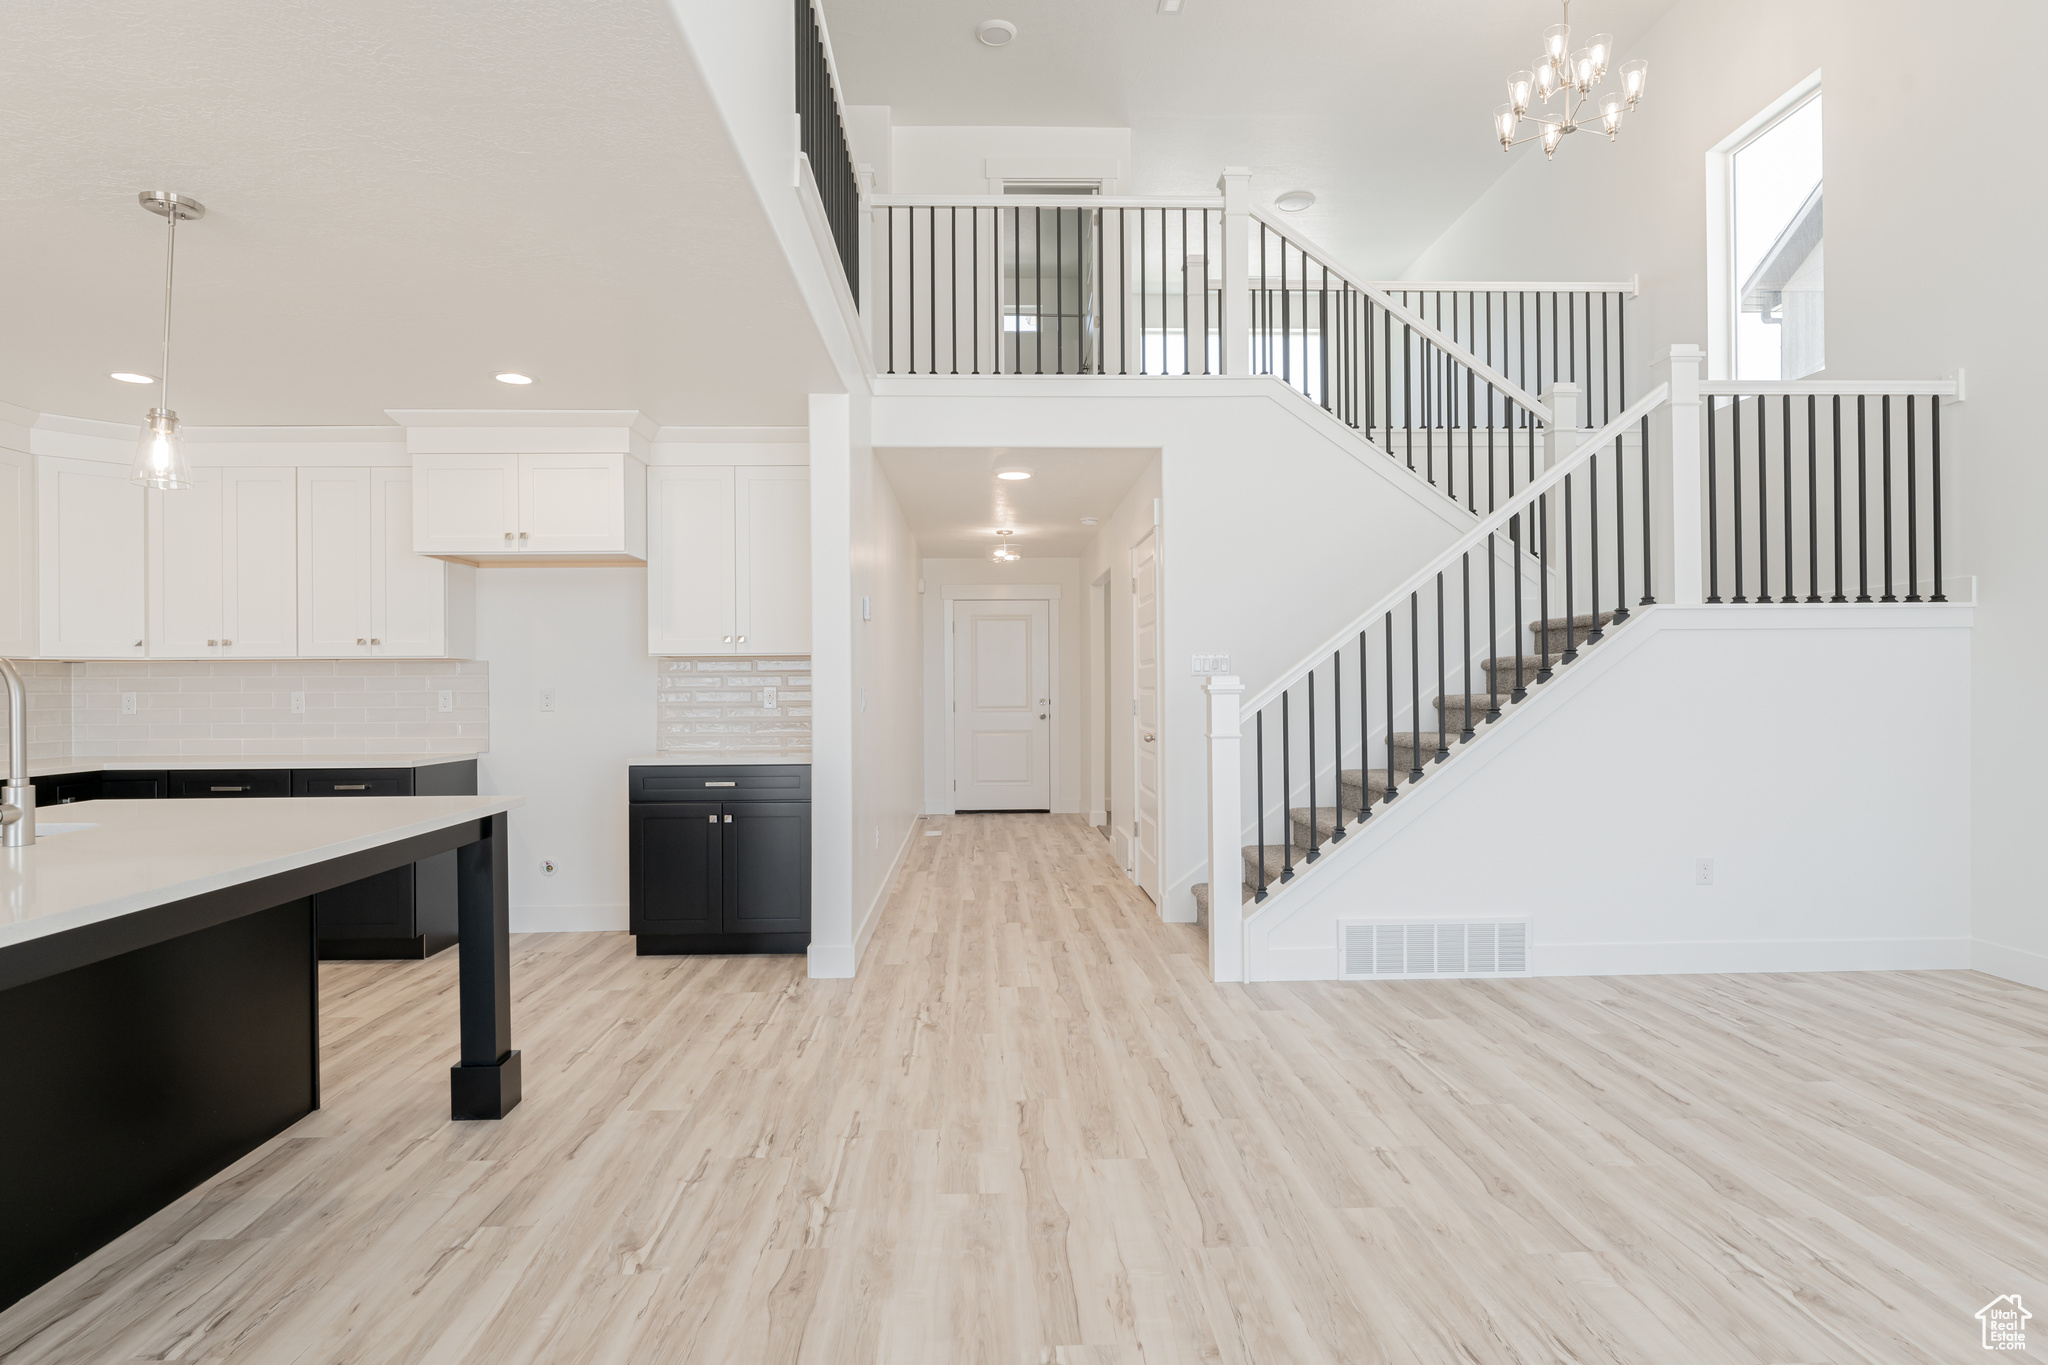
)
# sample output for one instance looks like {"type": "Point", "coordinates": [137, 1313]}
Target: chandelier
{"type": "Point", "coordinates": [1570, 76]}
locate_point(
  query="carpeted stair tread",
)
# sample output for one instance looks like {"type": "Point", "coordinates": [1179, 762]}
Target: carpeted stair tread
{"type": "Point", "coordinates": [1579, 624]}
{"type": "Point", "coordinates": [1326, 823]}
{"type": "Point", "coordinates": [1201, 890]}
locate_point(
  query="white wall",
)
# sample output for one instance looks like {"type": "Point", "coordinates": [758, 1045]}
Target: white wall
{"type": "Point", "coordinates": [1931, 234]}
{"type": "Point", "coordinates": [1070, 695]}
{"type": "Point", "coordinates": [871, 141]}
{"type": "Point", "coordinates": [1691, 734]}
{"type": "Point", "coordinates": [582, 632]}
{"type": "Point", "coordinates": [954, 160]}
{"type": "Point", "coordinates": [1110, 553]}
{"type": "Point", "coordinates": [1281, 525]}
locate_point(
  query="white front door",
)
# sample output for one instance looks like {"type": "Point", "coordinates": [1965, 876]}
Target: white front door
{"type": "Point", "coordinates": [1145, 679]}
{"type": "Point", "coordinates": [1002, 706]}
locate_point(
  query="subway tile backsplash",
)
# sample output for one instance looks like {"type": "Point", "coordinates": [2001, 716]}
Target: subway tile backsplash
{"type": "Point", "coordinates": [717, 705]}
{"type": "Point", "coordinates": [369, 706]}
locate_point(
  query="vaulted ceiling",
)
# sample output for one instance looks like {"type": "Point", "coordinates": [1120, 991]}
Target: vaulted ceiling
{"type": "Point", "coordinates": [404, 199]}
{"type": "Point", "coordinates": [1378, 107]}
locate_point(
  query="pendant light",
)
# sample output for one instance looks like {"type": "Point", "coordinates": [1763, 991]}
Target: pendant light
{"type": "Point", "coordinates": [160, 450]}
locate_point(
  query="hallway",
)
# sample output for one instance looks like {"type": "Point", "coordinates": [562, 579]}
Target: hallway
{"type": "Point", "coordinates": [1032, 1131]}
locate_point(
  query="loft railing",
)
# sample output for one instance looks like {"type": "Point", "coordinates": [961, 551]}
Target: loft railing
{"type": "Point", "coordinates": [822, 139]}
{"type": "Point", "coordinates": [1047, 284]}
{"type": "Point", "coordinates": [1557, 565]}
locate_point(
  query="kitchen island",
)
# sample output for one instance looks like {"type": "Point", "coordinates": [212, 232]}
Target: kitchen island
{"type": "Point", "coordinates": [159, 995]}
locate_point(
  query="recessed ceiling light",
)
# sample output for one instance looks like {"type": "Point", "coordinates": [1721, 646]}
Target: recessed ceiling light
{"type": "Point", "coordinates": [133, 378]}
{"type": "Point", "coordinates": [1005, 531]}
{"type": "Point", "coordinates": [1294, 201]}
{"type": "Point", "coordinates": [1013, 473]}
{"type": "Point", "coordinates": [510, 378]}
{"type": "Point", "coordinates": [1087, 521]}
{"type": "Point", "coordinates": [995, 32]}
{"type": "Point", "coordinates": [1169, 6]}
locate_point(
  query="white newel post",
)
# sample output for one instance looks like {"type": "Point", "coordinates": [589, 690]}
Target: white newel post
{"type": "Point", "coordinates": [1564, 435]}
{"type": "Point", "coordinates": [1236, 184]}
{"type": "Point", "coordinates": [1686, 586]}
{"type": "Point", "coordinates": [1226, 826]}
{"type": "Point", "coordinates": [864, 176]}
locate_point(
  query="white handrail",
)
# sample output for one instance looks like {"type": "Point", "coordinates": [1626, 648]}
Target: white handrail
{"type": "Point", "coordinates": [1044, 201]}
{"type": "Point", "coordinates": [1535, 405]}
{"type": "Point", "coordinates": [1464, 545]}
{"type": "Point", "coordinates": [1823, 388]}
{"type": "Point", "coordinates": [1630, 287]}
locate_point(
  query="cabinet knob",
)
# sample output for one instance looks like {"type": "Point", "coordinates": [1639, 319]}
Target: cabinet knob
{"type": "Point", "coordinates": [138, 644]}
{"type": "Point", "coordinates": [710, 819]}
{"type": "Point", "coordinates": [213, 642]}
{"type": "Point", "coordinates": [375, 641]}
{"type": "Point", "coordinates": [743, 639]}
{"type": "Point", "coordinates": [361, 641]}
{"type": "Point", "coordinates": [227, 642]}
{"type": "Point", "coordinates": [522, 535]}
{"type": "Point", "coordinates": [728, 819]}
{"type": "Point", "coordinates": [728, 640]}
{"type": "Point", "coordinates": [508, 535]}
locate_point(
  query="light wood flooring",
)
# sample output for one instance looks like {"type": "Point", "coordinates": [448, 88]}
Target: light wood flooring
{"type": "Point", "coordinates": [1031, 1131]}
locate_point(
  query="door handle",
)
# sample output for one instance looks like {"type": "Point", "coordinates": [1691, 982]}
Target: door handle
{"type": "Point", "coordinates": [1150, 738]}
{"type": "Point", "coordinates": [1041, 715]}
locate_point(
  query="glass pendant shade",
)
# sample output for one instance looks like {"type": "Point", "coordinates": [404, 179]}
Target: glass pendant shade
{"type": "Point", "coordinates": [1635, 76]}
{"type": "Point", "coordinates": [1611, 106]}
{"type": "Point", "coordinates": [1504, 120]}
{"type": "Point", "coordinates": [1602, 48]}
{"type": "Point", "coordinates": [1553, 133]}
{"type": "Point", "coordinates": [160, 453]}
{"type": "Point", "coordinates": [1557, 40]}
{"type": "Point", "coordinates": [1582, 70]}
{"type": "Point", "coordinates": [1521, 88]}
{"type": "Point", "coordinates": [1546, 81]}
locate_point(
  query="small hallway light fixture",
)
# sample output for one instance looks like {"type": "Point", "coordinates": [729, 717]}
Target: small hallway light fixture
{"type": "Point", "coordinates": [1294, 201]}
{"type": "Point", "coordinates": [160, 448]}
{"type": "Point", "coordinates": [1003, 554]}
{"type": "Point", "coordinates": [995, 32]}
{"type": "Point", "coordinates": [1568, 75]}
{"type": "Point", "coordinates": [127, 378]}
{"type": "Point", "coordinates": [511, 377]}
{"type": "Point", "coordinates": [1013, 473]}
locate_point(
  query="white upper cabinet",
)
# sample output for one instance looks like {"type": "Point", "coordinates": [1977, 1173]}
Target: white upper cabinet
{"type": "Point", "coordinates": [772, 558]}
{"type": "Point", "coordinates": [538, 507]}
{"type": "Point", "coordinates": [362, 591]}
{"type": "Point", "coordinates": [690, 562]}
{"type": "Point", "coordinates": [729, 560]}
{"type": "Point", "coordinates": [89, 560]}
{"type": "Point", "coordinates": [223, 566]}
{"type": "Point", "coordinates": [17, 554]}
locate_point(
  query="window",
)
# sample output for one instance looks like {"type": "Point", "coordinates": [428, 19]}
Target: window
{"type": "Point", "coordinates": [1775, 235]}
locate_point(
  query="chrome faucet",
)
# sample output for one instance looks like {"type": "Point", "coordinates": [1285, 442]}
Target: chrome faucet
{"type": "Point", "coordinates": [17, 797]}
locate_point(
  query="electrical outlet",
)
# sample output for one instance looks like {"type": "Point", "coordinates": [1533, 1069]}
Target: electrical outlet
{"type": "Point", "coordinates": [128, 704]}
{"type": "Point", "coordinates": [547, 867]}
{"type": "Point", "coordinates": [447, 700]}
{"type": "Point", "coordinates": [767, 699]}
{"type": "Point", "coordinates": [878, 836]}
{"type": "Point", "coordinates": [1703, 872]}
{"type": "Point", "coordinates": [547, 699]}
{"type": "Point", "coordinates": [298, 703]}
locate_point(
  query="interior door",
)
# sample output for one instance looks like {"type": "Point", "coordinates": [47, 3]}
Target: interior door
{"type": "Point", "coordinates": [465, 504]}
{"type": "Point", "coordinates": [1002, 706]}
{"type": "Point", "coordinates": [1145, 681]}
{"type": "Point", "coordinates": [572, 504]}
{"type": "Point", "coordinates": [408, 591]}
{"type": "Point", "coordinates": [690, 560]}
{"type": "Point", "coordinates": [334, 563]}
{"type": "Point", "coordinates": [186, 542]}
{"type": "Point", "coordinates": [772, 559]}
{"type": "Point", "coordinates": [676, 878]}
{"type": "Point", "coordinates": [259, 564]}
{"type": "Point", "coordinates": [767, 865]}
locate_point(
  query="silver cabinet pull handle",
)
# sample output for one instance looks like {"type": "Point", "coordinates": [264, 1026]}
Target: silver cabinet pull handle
{"type": "Point", "coordinates": [231, 789]}
{"type": "Point", "coordinates": [721, 784]}
{"type": "Point", "coordinates": [351, 786]}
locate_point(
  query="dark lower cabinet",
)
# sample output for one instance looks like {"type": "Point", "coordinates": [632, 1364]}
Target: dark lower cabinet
{"type": "Point", "coordinates": [731, 875]}
{"type": "Point", "coordinates": [408, 912]}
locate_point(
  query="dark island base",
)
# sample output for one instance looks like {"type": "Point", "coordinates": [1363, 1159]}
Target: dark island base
{"type": "Point", "coordinates": [723, 945]}
{"type": "Point", "coordinates": [384, 949]}
{"type": "Point", "coordinates": [134, 1079]}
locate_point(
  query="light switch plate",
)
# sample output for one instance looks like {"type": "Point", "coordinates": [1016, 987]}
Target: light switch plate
{"type": "Point", "coordinates": [447, 700]}
{"type": "Point", "coordinates": [547, 699]}
{"type": "Point", "coordinates": [128, 704]}
{"type": "Point", "coordinates": [1211, 665]}
{"type": "Point", "coordinates": [298, 703]}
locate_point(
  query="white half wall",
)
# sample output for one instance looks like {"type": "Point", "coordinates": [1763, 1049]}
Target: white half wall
{"type": "Point", "coordinates": [1279, 525]}
{"type": "Point", "coordinates": [1819, 755]}
{"type": "Point", "coordinates": [582, 632]}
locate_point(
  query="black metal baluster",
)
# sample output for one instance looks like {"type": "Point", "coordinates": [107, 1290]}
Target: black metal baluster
{"type": "Point", "coordinates": [1837, 432]}
{"type": "Point", "coordinates": [1336, 738]}
{"type": "Point", "coordinates": [1144, 360]}
{"type": "Point", "coordinates": [1492, 637]}
{"type": "Point", "coordinates": [1934, 474]}
{"type": "Point", "coordinates": [974, 282]}
{"type": "Point", "coordinates": [953, 279]}
{"type": "Point", "coordinates": [1415, 686]}
{"type": "Point", "coordinates": [1713, 513]}
{"type": "Point", "coordinates": [1259, 776]}
{"type": "Point", "coordinates": [1408, 389]}
{"type": "Point", "coordinates": [1735, 468]}
{"type": "Point", "coordinates": [1571, 642]}
{"type": "Point", "coordinates": [1465, 620]}
{"type": "Point", "coordinates": [1443, 749]}
{"type": "Point", "coordinates": [931, 288]}
{"type": "Point", "coordinates": [1912, 506]}
{"type": "Point", "coordinates": [1364, 733]}
{"type": "Point", "coordinates": [1885, 416]}
{"type": "Point", "coordinates": [1593, 631]}
{"type": "Point", "coordinates": [1314, 840]}
{"type": "Point", "coordinates": [1862, 508]}
{"type": "Point", "coordinates": [1791, 593]}
{"type": "Point", "coordinates": [1038, 289]}
{"type": "Point", "coordinates": [1286, 794]}
{"type": "Point", "coordinates": [1643, 449]}
{"type": "Point", "coordinates": [1763, 504]}
{"type": "Point", "coordinates": [1812, 500]}
{"type": "Point", "coordinates": [1391, 780]}
{"type": "Point", "coordinates": [1515, 541]}
{"type": "Point", "coordinates": [889, 228]}
{"type": "Point", "coordinates": [1542, 531]}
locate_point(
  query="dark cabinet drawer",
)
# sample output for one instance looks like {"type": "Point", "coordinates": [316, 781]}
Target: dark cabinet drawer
{"type": "Point", "coordinates": [721, 782]}
{"type": "Point", "coordinates": [226, 782]}
{"type": "Point", "coordinates": [352, 782]}
{"type": "Point", "coordinates": [62, 789]}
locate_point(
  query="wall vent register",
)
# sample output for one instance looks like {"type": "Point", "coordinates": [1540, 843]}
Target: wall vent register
{"type": "Point", "coordinates": [1381, 948]}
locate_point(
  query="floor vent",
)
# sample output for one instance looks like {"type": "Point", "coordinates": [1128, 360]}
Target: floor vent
{"type": "Point", "coordinates": [1368, 949]}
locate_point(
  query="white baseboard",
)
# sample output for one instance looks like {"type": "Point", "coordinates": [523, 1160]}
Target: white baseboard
{"type": "Point", "coordinates": [1731, 957]}
{"type": "Point", "coordinates": [872, 916]}
{"type": "Point", "coordinates": [568, 919]}
{"type": "Point", "coordinates": [1098, 818]}
{"type": "Point", "coordinates": [2014, 964]}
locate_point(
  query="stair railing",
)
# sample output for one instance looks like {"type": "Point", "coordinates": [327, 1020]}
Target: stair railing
{"type": "Point", "coordinates": [1451, 636]}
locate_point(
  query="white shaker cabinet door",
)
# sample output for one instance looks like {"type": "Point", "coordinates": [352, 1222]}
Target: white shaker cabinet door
{"type": "Point", "coordinates": [772, 553]}
{"type": "Point", "coordinates": [571, 504]}
{"type": "Point", "coordinates": [259, 564]}
{"type": "Point", "coordinates": [690, 560]}
{"type": "Point", "coordinates": [17, 554]}
{"type": "Point", "coordinates": [89, 551]}
{"type": "Point", "coordinates": [185, 551]}
{"type": "Point", "coordinates": [408, 591]}
{"type": "Point", "coordinates": [465, 504]}
{"type": "Point", "coordinates": [334, 562]}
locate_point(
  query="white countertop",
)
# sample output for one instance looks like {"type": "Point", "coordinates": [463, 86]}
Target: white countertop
{"type": "Point", "coordinates": [139, 854]}
{"type": "Point", "coordinates": [157, 763]}
{"type": "Point", "coordinates": [713, 760]}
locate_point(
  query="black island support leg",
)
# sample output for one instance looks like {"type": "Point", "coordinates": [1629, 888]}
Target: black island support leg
{"type": "Point", "coordinates": [485, 1084]}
